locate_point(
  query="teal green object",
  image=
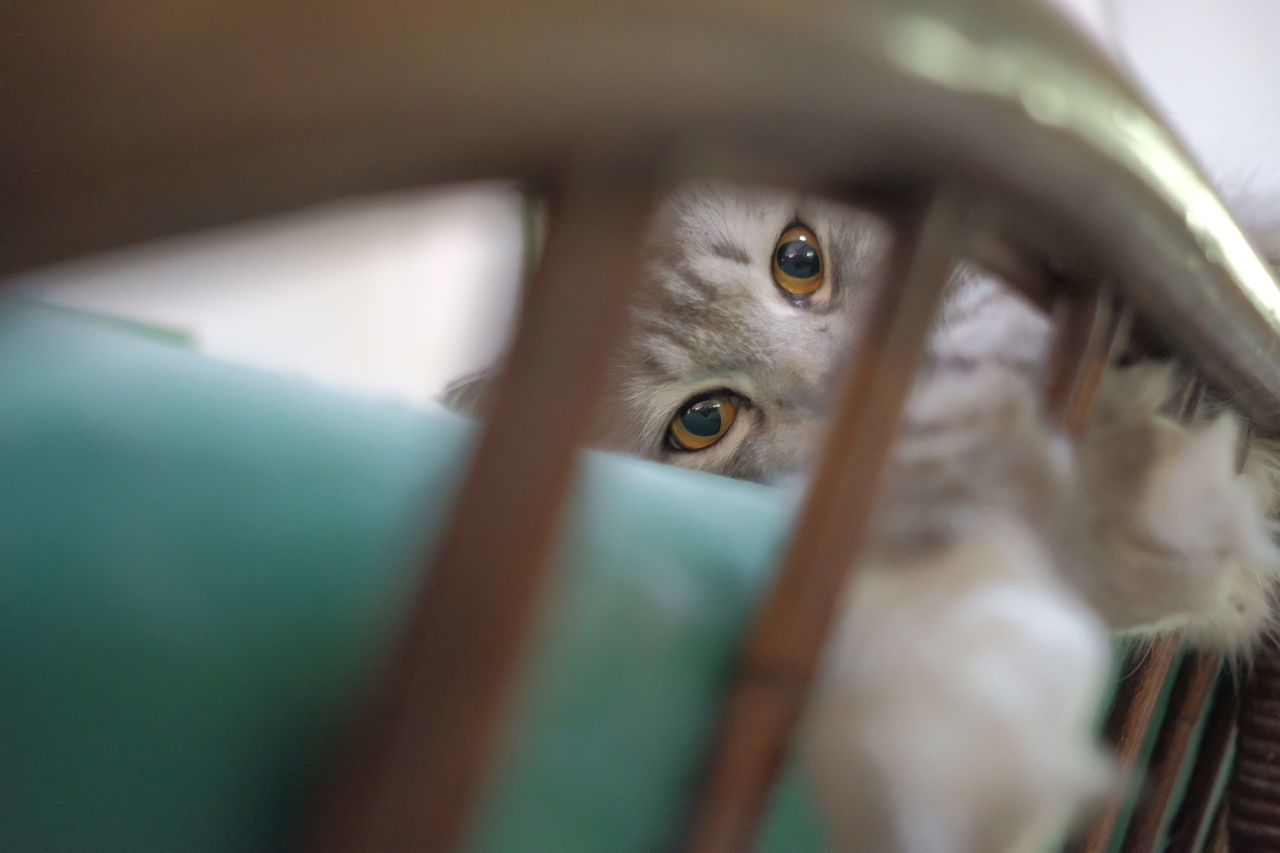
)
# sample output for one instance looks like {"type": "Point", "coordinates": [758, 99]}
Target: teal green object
{"type": "Point", "coordinates": [201, 567]}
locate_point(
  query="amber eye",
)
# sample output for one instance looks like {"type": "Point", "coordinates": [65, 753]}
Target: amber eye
{"type": "Point", "coordinates": [797, 261]}
{"type": "Point", "coordinates": [703, 421]}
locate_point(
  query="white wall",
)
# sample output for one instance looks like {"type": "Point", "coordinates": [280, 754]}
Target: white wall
{"type": "Point", "coordinates": [391, 296]}
{"type": "Point", "coordinates": [1212, 67]}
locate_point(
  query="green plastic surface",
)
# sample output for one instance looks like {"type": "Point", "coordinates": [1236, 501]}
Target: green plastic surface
{"type": "Point", "coordinates": [202, 565]}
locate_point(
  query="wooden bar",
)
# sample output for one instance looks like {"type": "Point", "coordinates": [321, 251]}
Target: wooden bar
{"type": "Point", "coordinates": [411, 781]}
{"type": "Point", "coordinates": [1245, 443]}
{"type": "Point", "coordinates": [781, 654]}
{"type": "Point", "coordinates": [1220, 836]}
{"type": "Point", "coordinates": [1206, 788]}
{"type": "Point", "coordinates": [1191, 690]}
{"type": "Point", "coordinates": [1134, 706]}
{"type": "Point", "coordinates": [1254, 793]}
{"type": "Point", "coordinates": [1137, 699]}
{"type": "Point", "coordinates": [1189, 398]}
{"type": "Point", "coordinates": [1132, 711]}
{"type": "Point", "coordinates": [1089, 329]}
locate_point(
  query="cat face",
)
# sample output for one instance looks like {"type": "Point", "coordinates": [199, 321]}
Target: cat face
{"type": "Point", "coordinates": [750, 301]}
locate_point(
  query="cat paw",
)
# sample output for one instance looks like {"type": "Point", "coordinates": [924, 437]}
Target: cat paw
{"type": "Point", "coordinates": [958, 703]}
{"type": "Point", "coordinates": [1186, 539]}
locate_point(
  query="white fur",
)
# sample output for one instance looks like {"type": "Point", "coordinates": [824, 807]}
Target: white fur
{"type": "Point", "coordinates": [1188, 545]}
{"type": "Point", "coordinates": [958, 704]}
{"type": "Point", "coordinates": [960, 693]}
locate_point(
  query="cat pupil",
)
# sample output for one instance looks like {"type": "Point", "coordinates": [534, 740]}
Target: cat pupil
{"type": "Point", "coordinates": [798, 259]}
{"type": "Point", "coordinates": [702, 418]}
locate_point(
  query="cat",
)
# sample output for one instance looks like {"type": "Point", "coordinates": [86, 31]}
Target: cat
{"type": "Point", "coordinates": [958, 697]}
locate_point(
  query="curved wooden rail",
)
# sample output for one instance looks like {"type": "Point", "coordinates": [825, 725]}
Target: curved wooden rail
{"type": "Point", "coordinates": [135, 119]}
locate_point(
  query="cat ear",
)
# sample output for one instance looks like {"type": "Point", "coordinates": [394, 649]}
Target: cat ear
{"type": "Point", "coordinates": [470, 395]}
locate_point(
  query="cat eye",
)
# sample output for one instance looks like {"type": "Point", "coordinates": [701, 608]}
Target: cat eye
{"type": "Point", "coordinates": [703, 421]}
{"type": "Point", "coordinates": [797, 261]}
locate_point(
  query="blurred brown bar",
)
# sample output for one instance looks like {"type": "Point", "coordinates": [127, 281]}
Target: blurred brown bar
{"type": "Point", "coordinates": [1089, 329]}
{"type": "Point", "coordinates": [1137, 698]}
{"type": "Point", "coordinates": [1205, 793]}
{"type": "Point", "coordinates": [412, 779]}
{"type": "Point", "coordinates": [780, 657]}
{"type": "Point", "coordinates": [1132, 712]}
{"type": "Point", "coordinates": [1253, 802]}
{"type": "Point", "coordinates": [1187, 706]}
